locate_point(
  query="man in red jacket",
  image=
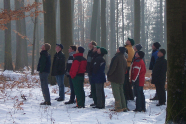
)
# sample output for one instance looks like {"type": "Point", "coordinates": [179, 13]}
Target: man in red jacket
{"type": "Point", "coordinates": [138, 79]}
{"type": "Point", "coordinates": [77, 73]}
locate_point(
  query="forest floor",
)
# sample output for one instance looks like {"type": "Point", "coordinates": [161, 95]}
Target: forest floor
{"type": "Point", "coordinates": [20, 96]}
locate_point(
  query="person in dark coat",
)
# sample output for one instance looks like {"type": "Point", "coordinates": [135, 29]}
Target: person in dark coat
{"type": "Point", "coordinates": [90, 54]}
{"type": "Point", "coordinates": [43, 67]}
{"type": "Point", "coordinates": [98, 78]}
{"type": "Point", "coordinates": [72, 51]}
{"type": "Point", "coordinates": [58, 70]}
{"type": "Point", "coordinates": [155, 48]}
{"type": "Point", "coordinates": [159, 76]}
{"type": "Point", "coordinates": [116, 75]}
{"type": "Point", "coordinates": [77, 73]}
{"type": "Point", "coordinates": [138, 79]}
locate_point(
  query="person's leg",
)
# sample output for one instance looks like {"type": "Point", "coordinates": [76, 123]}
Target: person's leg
{"type": "Point", "coordinates": [60, 81]}
{"type": "Point", "coordinates": [82, 92]}
{"type": "Point", "coordinates": [44, 86]}
{"type": "Point", "coordinates": [72, 95]}
{"type": "Point", "coordinates": [158, 91]}
{"type": "Point", "coordinates": [123, 102]}
{"type": "Point", "coordinates": [116, 94]}
{"type": "Point", "coordinates": [99, 94]}
{"type": "Point", "coordinates": [125, 89]}
{"type": "Point", "coordinates": [161, 94]}
{"type": "Point", "coordinates": [93, 91]}
{"type": "Point", "coordinates": [139, 98]}
{"type": "Point", "coordinates": [143, 101]}
{"type": "Point", "coordinates": [90, 80]}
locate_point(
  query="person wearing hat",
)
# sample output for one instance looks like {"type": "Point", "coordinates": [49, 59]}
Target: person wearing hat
{"type": "Point", "coordinates": [58, 70]}
{"type": "Point", "coordinates": [138, 79]}
{"type": "Point", "coordinates": [127, 86]}
{"type": "Point", "coordinates": [90, 55]}
{"type": "Point", "coordinates": [154, 57]}
{"type": "Point", "coordinates": [98, 79]}
{"type": "Point", "coordinates": [77, 73]}
{"type": "Point", "coordinates": [159, 76]}
{"type": "Point", "coordinates": [137, 48]}
{"type": "Point", "coordinates": [43, 67]}
{"type": "Point", "coordinates": [116, 75]}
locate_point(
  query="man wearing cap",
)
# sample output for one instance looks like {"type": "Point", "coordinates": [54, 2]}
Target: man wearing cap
{"type": "Point", "coordinates": [155, 48]}
{"type": "Point", "coordinates": [127, 86]}
{"type": "Point", "coordinates": [159, 76]}
{"type": "Point", "coordinates": [116, 75]}
{"type": "Point", "coordinates": [44, 70]}
{"type": "Point", "coordinates": [77, 73]}
{"type": "Point", "coordinates": [58, 70]}
{"type": "Point", "coordinates": [98, 79]}
{"type": "Point", "coordinates": [138, 79]}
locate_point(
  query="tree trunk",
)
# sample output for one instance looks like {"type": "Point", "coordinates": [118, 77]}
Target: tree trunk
{"type": "Point", "coordinates": [8, 49]}
{"type": "Point", "coordinates": [103, 23]}
{"type": "Point", "coordinates": [50, 29]}
{"type": "Point", "coordinates": [66, 27]}
{"type": "Point", "coordinates": [137, 21]}
{"type": "Point", "coordinates": [94, 20]}
{"type": "Point", "coordinates": [176, 39]}
{"type": "Point", "coordinates": [123, 25]}
{"type": "Point", "coordinates": [117, 22]}
{"type": "Point", "coordinates": [143, 38]}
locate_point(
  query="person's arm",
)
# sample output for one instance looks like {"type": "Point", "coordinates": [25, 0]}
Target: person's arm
{"type": "Point", "coordinates": [42, 63]}
{"type": "Point", "coordinates": [96, 66]}
{"type": "Point", "coordinates": [135, 73]}
{"type": "Point", "coordinates": [74, 69]}
{"type": "Point", "coordinates": [113, 66]}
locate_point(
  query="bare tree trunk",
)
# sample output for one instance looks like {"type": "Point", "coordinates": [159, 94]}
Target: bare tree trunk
{"type": "Point", "coordinates": [103, 23]}
{"type": "Point", "coordinates": [137, 21]}
{"type": "Point", "coordinates": [176, 39]}
{"type": "Point", "coordinates": [8, 49]}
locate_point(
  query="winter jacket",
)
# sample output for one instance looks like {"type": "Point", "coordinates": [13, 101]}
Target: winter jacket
{"type": "Point", "coordinates": [138, 72]}
{"type": "Point", "coordinates": [79, 65]}
{"type": "Point", "coordinates": [118, 67]}
{"type": "Point", "coordinates": [159, 71]}
{"type": "Point", "coordinates": [130, 54]}
{"type": "Point", "coordinates": [153, 59]}
{"type": "Point", "coordinates": [69, 63]}
{"type": "Point", "coordinates": [58, 67]}
{"type": "Point", "coordinates": [135, 57]}
{"type": "Point", "coordinates": [94, 56]}
{"type": "Point", "coordinates": [44, 63]}
{"type": "Point", "coordinates": [98, 75]}
{"type": "Point", "coordinates": [89, 59]}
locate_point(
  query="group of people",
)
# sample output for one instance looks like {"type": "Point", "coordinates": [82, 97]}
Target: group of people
{"type": "Point", "coordinates": [127, 59]}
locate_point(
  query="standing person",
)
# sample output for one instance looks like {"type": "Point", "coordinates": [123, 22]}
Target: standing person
{"type": "Point", "coordinates": [77, 73]}
{"type": "Point", "coordinates": [137, 48]}
{"type": "Point", "coordinates": [91, 46]}
{"type": "Point", "coordinates": [44, 70]}
{"type": "Point", "coordinates": [58, 70]}
{"type": "Point", "coordinates": [72, 51]}
{"type": "Point", "coordinates": [127, 86]}
{"type": "Point", "coordinates": [98, 78]}
{"type": "Point", "coordinates": [155, 48]}
{"type": "Point", "coordinates": [138, 79]}
{"type": "Point", "coordinates": [159, 76]}
{"type": "Point", "coordinates": [116, 75]}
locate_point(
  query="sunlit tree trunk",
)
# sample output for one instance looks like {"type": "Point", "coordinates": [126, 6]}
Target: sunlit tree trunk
{"type": "Point", "coordinates": [137, 21]}
{"type": "Point", "coordinates": [8, 49]}
{"type": "Point", "coordinates": [176, 39]}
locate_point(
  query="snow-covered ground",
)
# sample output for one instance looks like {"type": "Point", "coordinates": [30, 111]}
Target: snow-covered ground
{"type": "Point", "coordinates": [14, 109]}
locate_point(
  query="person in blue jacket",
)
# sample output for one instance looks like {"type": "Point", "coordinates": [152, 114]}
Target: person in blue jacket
{"type": "Point", "coordinates": [98, 77]}
{"type": "Point", "coordinates": [155, 48]}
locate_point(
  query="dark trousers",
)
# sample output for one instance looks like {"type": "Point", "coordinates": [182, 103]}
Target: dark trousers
{"type": "Point", "coordinates": [93, 92]}
{"type": "Point", "coordinates": [72, 95]}
{"type": "Point", "coordinates": [90, 80]}
{"type": "Point", "coordinates": [140, 98]}
{"type": "Point", "coordinates": [78, 83]}
{"type": "Point", "coordinates": [160, 90]}
{"type": "Point", "coordinates": [60, 82]}
{"type": "Point", "coordinates": [128, 87]}
{"type": "Point", "coordinates": [44, 86]}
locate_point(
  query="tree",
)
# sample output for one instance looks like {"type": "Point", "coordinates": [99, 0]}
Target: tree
{"type": "Point", "coordinates": [137, 21]}
{"type": "Point", "coordinates": [66, 26]}
{"type": "Point", "coordinates": [50, 29]}
{"type": "Point", "coordinates": [8, 49]}
{"type": "Point", "coordinates": [103, 23]}
{"type": "Point", "coordinates": [176, 40]}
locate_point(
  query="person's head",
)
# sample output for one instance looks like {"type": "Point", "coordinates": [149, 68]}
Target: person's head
{"type": "Point", "coordinates": [72, 49]}
{"type": "Point", "coordinates": [92, 44]}
{"type": "Point", "coordinates": [80, 50]}
{"type": "Point", "coordinates": [138, 47]}
{"type": "Point", "coordinates": [102, 51]}
{"type": "Point", "coordinates": [96, 48]}
{"type": "Point", "coordinates": [130, 42]}
{"type": "Point", "coordinates": [140, 54]}
{"type": "Point", "coordinates": [156, 46]}
{"type": "Point", "coordinates": [59, 47]}
{"type": "Point", "coordinates": [46, 46]}
{"type": "Point", "coordinates": [161, 53]}
{"type": "Point", "coordinates": [121, 50]}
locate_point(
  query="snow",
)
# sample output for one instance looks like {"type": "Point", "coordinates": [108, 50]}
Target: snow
{"type": "Point", "coordinates": [14, 109]}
